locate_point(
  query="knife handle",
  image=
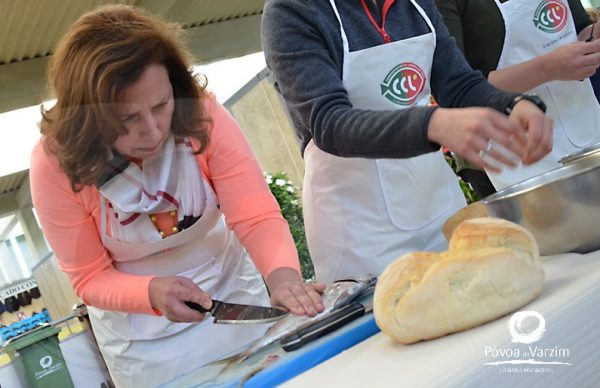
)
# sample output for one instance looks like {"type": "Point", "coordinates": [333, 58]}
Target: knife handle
{"type": "Point", "coordinates": [197, 307]}
{"type": "Point", "coordinates": [318, 329]}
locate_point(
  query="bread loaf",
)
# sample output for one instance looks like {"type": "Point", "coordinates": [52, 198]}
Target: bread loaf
{"type": "Point", "coordinates": [472, 210]}
{"type": "Point", "coordinates": [492, 267]}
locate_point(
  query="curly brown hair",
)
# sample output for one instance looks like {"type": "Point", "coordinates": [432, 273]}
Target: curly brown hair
{"type": "Point", "coordinates": [105, 51]}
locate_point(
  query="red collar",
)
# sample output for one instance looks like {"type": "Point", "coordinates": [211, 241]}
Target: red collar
{"type": "Point", "coordinates": [381, 29]}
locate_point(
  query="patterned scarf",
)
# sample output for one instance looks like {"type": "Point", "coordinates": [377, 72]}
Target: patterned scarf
{"type": "Point", "coordinates": [171, 180]}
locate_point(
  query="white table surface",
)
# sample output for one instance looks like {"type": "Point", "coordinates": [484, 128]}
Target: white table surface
{"type": "Point", "coordinates": [569, 303]}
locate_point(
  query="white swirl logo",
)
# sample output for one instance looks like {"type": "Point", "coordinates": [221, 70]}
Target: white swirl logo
{"type": "Point", "coordinates": [45, 361]}
{"type": "Point", "coordinates": [518, 329]}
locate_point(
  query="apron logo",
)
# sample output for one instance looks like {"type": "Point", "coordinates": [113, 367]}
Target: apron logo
{"type": "Point", "coordinates": [403, 84]}
{"type": "Point", "coordinates": [550, 16]}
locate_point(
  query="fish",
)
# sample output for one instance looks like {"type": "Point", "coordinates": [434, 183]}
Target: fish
{"type": "Point", "coordinates": [336, 295]}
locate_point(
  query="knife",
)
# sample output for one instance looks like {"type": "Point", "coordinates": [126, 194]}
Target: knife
{"type": "Point", "coordinates": [234, 313]}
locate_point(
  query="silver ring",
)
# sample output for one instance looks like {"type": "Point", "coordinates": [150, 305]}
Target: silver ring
{"type": "Point", "coordinates": [488, 149]}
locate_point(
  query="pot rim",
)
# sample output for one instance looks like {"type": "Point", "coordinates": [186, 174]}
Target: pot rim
{"type": "Point", "coordinates": [581, 154]}
{"type": "Point", "coordinates": [552, 177]}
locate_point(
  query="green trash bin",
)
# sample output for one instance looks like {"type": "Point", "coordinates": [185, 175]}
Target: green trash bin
{"type": "Point", "coordinates": [37, 358]}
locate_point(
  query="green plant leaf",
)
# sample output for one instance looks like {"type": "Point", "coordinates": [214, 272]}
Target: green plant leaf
{"type": "Point", "coordinates": [286, 196]}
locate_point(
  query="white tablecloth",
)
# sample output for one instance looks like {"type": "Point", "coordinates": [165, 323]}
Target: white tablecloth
{"type": "Point", "coordinates": [569, 304]}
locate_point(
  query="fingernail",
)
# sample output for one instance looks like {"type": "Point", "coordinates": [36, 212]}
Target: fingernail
{"type": "Point", "coordinates": [320, 306]}
{"type": "Point", "coordinates": [312, 311]}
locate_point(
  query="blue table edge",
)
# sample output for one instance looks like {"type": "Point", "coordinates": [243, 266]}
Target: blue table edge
{"type": "Point", "coordinates": [323, 351]}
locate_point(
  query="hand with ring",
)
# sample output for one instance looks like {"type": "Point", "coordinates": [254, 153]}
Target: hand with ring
{"type": "Point", "coordinates": [477, 134]}
{"type": "Point", "coordinates": [488, 149]}
{"type": "Point", "coordinates": [492, 152]}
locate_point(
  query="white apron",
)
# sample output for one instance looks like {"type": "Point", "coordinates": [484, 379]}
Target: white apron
{"type": "Point", "coordinates": [144, 350]}
{"type": "Point", "coordinates": [534, 28]}
{"type": "Point", "coordinates": [361, 214]}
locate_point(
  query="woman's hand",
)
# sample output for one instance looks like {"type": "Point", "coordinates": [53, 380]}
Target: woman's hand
{"type": "Point", "coordinates": [289, 291]}
{"type": "Point", "coordinates": [527, 133]}
{"type": "Point", "coordinates": [468, 131]}
{"type": "Point", "coordinates": [168, 294]}
{"type": "Point", "coordinates": [572, 61]}
{"type": "Point", "coordinates": [538, 127]}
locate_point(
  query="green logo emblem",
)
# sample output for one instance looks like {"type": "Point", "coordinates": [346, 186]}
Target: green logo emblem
{"type": "Point", "coordinates": [551, 16]}
{"type": "Point", "coordinates": [403, 84]}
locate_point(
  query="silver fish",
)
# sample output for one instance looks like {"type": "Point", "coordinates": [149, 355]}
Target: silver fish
{"type": "Point", "coordinates": [336, 295]}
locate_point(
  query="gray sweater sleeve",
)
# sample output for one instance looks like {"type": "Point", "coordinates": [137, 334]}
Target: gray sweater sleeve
{"type": "Point", "coordinates": [303, 48]}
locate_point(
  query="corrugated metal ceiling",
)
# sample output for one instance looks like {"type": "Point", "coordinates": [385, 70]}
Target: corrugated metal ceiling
{"type": "Point", "coordinates": [197, 13]}
{"type": "Point", "coordinates": [30, 28]}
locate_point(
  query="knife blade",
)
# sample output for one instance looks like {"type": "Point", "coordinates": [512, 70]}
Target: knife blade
{"type": "Point", "coordinates": [235, 313]}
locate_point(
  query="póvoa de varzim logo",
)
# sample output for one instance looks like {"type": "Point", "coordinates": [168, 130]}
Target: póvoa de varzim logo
{"type": "Point", "coordinates": [403, 83]}
{"type": "Point", "coordinates": [551, 16]}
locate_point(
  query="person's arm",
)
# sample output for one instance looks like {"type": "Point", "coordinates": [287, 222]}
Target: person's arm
{"type": "Point", "coordinates": [253, 214]}
{"type": "Point", "coordinates": [467, 131]}
{"type": "Point", "coordinates": [573, 61]}
{"type": "Point", "coordinates": [300, 44]}
{"type": "Point", "coordinates": [69, 224]}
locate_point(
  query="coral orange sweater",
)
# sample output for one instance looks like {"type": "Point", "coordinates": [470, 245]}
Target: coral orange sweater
{"type": "Point", "coordinates": [71, 221]}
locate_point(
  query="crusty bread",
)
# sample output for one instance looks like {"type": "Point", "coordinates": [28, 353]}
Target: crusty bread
{"type": "Point", "coordinates": [492, 267]}
{"type": "Point", "coordinates": [472, 210]}
{"type": "Point", "coordinates": [477, 233]}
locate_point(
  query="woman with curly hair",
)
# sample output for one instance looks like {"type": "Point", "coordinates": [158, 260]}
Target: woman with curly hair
{"type": "Point", "coordinates": [150, 197]}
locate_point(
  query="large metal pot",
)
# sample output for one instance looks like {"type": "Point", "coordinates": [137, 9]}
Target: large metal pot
{"type": "Point", "coordinates": [560, 207]}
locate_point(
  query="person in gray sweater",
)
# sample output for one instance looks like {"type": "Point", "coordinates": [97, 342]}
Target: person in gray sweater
{"type": "Point", "coordinates": [356, 76]}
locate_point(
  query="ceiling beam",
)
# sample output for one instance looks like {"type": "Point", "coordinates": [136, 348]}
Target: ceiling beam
{"type": "Point", "coordinates": [8, 203]}
{"type": "Point", "coordinates": [23, 195]}
{"type": "Point", "coordinates": [22, 83]}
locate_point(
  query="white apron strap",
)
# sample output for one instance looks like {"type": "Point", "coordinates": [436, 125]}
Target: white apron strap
{"type": "Point", "coordinates": [343, 33]}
